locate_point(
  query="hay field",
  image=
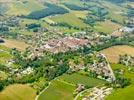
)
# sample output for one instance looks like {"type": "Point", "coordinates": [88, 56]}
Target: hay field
{"type": "Point", "coordinates": [18, 92]}
{"type": "Point", "coordinates": [113, 53]}
{"type": "Point", "coordinates": [15, 44]}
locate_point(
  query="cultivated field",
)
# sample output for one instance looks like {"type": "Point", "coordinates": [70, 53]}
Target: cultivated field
{"type": "Point", "coordinates": [15, 44]}
{"type": "Point", "coordinates": [113, 53]}
{"type": "Point", "coordinates": [4, 54]}
{"type": "Point", "coordinates": [77, 78]}
{"type": "Point", "coordinates": [106, 27]}
{"type": "Point", "coordinates": [70, 19]}
{"type": "Point", "coordinates": [58, 91]}
{"type": "Point", "coordinates": [20, 7]}
{"type": "Point", "coordinates": [18, 92]}
{"type": "Point", "coordinates": [123, 93]}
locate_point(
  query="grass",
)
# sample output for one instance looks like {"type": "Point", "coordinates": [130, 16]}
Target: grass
{"type": "Point", "coordinates": [58, 91]}
{"type": "Point", "coordinates": [127, 73]}
{"type": "Point", "coordinates": [77, 78]}
{"type": "Point", "coordinates": [15, 44]}
{"type": "Point", "coordinates": [113, 52]}
{"type": "Point", "coordinates": [70, 19]}
{"type": "Point", "coordinates": [20, 8]}
{"type": "Point", "coordinates": [3, 75]}
{"type": "Point", "coordinates": [4, 54]}
{"type": "Point", "coordinates": [18, 92]}
{"type": "Point", "coordinates": [123, 93]}
{"type": "Point", "coordinates": [106, 27]}
{"type": "Point", "coordinates": [115, 11]}
{"type": "Point", "coordinates": [80, 14]}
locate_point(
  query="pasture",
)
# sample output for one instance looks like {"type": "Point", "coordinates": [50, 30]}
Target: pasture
{"type": "Point", "coordinates": [58, 91]}
{"type": "Point", "coordinates": [123, 93]}
{"type": "Point", "coordinates": [3, 75]}
{"type": "Point", "coordinates": [77, 78]}
{"type": "Point", "coordinates": [70, 19]}
{"type": "Point", "coordinates": [106, 27]}
{"type": "Point", "coordinates": [113, 52]}
{"type": "Point", "coordinates": [23, 8]}
{"type": "Point", "coordinates": [15, 44]}
{"type": "Point", "coordinates": [4, 54]}
{"type": "Point", "coordinates": [18, 92]}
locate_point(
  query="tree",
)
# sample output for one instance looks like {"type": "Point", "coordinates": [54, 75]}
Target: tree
{"type": "Point", "coordinates": [3, 8]}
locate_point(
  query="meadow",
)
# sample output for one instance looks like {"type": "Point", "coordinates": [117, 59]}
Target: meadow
{"type": "Point", "coordinates": [106, 27]}
{"type": "Point", "coordinates": [77, 78]}
{"type": "Point", "coordinates": [113, 52]}
{"type": "Point", "coordinates": [15, 44]}
{"type": "Point", "coordinates": [70, 19]}
{"type": "Point", "coordinates": [58, 91]}
{"type": "Point", "coordinates": [4, 54]}
{"type": "Point", "coordinates": [123, 93]}
{"type": "Point", "coordinates": [18, 92]}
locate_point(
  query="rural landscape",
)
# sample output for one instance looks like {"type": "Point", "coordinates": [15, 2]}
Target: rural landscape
{"type": "Point", "coordinates": [66, 49]}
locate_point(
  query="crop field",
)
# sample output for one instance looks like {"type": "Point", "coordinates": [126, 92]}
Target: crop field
{"type": "Point", "coordinates": [70, 19]}
{"type": "Point", "coordinates": [114, 11]}
{"type": "Point", "coordinates": [124, 93]}
{"type": "Point", "coordinates": [77, 78]}
{"type": "Point", "coordinates": [113, 53]}
{"type": "Point", "coordinates": [3, 75]}
{"type": "Point", "coordinates": [4, 54]}
{"type": "Point", "coordinates": [18, 92]}
{"type": "Point", "coordinates": [80, 14]}
{"type": "Point", "coordinates": [106, 27]}
{"type": "Point", "coordinates": [127, 73]}
{"type": "Point", "coordinates": [58, 91]}
{"type": "Point", "coordinates": [19, 7]}
{"type": "Point", "coordinates": [15, 44]}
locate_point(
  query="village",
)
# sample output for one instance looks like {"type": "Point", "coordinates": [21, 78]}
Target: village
{"type": "Point", "coordinates": [66, 49]}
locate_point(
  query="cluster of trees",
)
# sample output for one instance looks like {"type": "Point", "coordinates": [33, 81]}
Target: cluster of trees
{"type": "Point", "coordinates": [33, 25]}
{"type": "Point", "coordinates": [4, 28]}
{"type": "Point", "coordinates": [98, 14]}
{"type": "Point", "coordinates": [118, 1]}
{"type": "Point", "coordinates": [75, 7]}
{"type": "Point", "coordinates": [3, 8]}
{"type": "Point", "coordinates": [63, 24]}
{"type": "Point", "coordinates": [49, 11]}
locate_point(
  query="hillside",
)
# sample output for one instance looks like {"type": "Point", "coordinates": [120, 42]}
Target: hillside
{"type": "Point", "coordinates": [66, 49]}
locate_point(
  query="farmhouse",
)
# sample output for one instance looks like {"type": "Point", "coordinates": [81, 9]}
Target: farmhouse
{"type": "Point", "coordinates": [80, 87]}
{"type": "Point", "coordinates": [98, 93]}
{"type": "Point", "coordinates": [102, 68]}
{"type": "Point", "coordinates": [126, 29]}
{"type": "Point", "coordinates": [1, 40]}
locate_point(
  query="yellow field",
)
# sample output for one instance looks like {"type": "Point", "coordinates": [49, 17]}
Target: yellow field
{"type": "Point", "coordinates": [15, 44]}
{"type": "Point", "coordinates": [113, 53]}
{"type": "Point", "coordinates": [70, 19]}
{"type": "Point", "coordinates": [18, 92]}
{"type": "Point", "coordinates": [80, 14]}
{"type": "Point", "coordinates": [107, 26]}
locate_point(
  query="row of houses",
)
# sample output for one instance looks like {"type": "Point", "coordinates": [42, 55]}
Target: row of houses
{"type": "Point", "coordinates": [102, 68]}
{"type": "Point", "coordinates": [98, 93]}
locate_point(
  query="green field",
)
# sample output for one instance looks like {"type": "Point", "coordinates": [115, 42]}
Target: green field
{"type": "Point", "coordinates": [127, 73]}
{"type": "Point", "coordinates": [58, 91]}
{"type": "Point", "coordinates": [18, 92]}
{"type": "Point", "coordinates": [106, 26]}
{"type": "Point", "coordinates": [70, 19]}
{"type": "Point", "coordinates": [77, 78]}
{"type": "Point", "coordinates": [4, 54]}
{"type": "Point", "coordinates": [124, 93]}
{"type": "Point", "coordinates": [19, 7]}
